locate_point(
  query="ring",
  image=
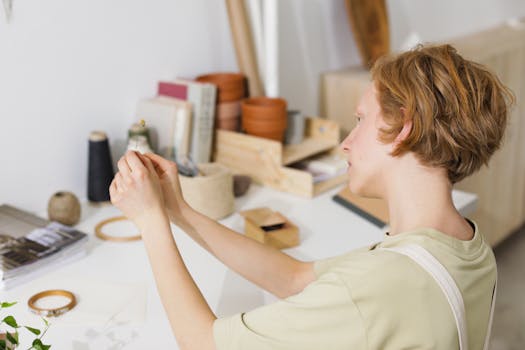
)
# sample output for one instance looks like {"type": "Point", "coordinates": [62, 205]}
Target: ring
{"type": "Point", "coordinates": [52, 312]}
{"type": "Point", "coordinates": [102, 235]}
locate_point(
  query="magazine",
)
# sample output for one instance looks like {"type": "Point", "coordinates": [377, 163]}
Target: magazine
{"type": "Point", "coordinates": [323, 167]}
{"type": "Point", "coordinates": [30, 245]}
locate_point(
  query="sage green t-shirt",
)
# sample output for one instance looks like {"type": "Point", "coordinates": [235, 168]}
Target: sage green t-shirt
{"type": "Point", "coordinates": [375, 299]}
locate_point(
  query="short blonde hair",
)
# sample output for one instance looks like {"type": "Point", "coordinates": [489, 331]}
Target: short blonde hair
{"type": "Point", "coordinates": [458, 107]}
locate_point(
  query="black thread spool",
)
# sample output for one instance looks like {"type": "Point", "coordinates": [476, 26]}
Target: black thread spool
{"type": "Point", "coordinates": [100, 167]}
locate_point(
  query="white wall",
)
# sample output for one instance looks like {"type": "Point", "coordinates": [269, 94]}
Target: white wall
{"type": "Point", "coordinates": [316, 37]}
{"type": "Point", "coordinates": [70, 67]}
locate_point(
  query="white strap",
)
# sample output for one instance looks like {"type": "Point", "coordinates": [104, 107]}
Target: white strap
{"type": "Point", "coordinates": [427, 261]}
{"type": "Point", "coordinates": [493, 303]}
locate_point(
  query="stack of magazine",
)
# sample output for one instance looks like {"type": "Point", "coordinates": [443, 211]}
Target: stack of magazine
{"type": "Point", "coordinates": [323, 167]}
{"type": "Point", "coordinates": [30, 245]}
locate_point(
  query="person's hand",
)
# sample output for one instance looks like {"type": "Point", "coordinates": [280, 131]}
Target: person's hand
{"type": "Point", "coordinates": [169, 178]}
{"type": "Point", "coordinates": [136, 189]}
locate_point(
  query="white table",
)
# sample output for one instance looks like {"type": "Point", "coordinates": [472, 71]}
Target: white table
{"type": "Point", "coordinates": [326, 229]}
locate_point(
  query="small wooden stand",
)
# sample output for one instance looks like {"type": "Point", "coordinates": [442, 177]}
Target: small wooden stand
{"type": "Point", "coordinates": [256, 220]}
{"type": "Point", "coordinates": [267, 161]}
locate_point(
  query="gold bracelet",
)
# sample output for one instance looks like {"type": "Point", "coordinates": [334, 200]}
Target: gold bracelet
{"type": "Point", "coordinates": [102, 235]}
{"type": "Point", "coordinates": [51, 312]}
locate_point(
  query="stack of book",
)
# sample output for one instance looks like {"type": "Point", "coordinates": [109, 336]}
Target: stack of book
{"type": "Point", "coordinates": [30, 245]}
{"type": "Point", "coordinates": [181, 119]}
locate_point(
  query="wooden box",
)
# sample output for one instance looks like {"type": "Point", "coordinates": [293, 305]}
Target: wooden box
{"type": "Point", "coordinates": [340, 93]}
{"type": "Point", "coordinates": [266, 161]}
{"type": "Point", "coordinates": [285, 237]}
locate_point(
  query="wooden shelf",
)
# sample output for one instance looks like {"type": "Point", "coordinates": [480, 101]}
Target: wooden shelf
{"type": "Point", "coordinates": [266, 160]}
{"type": "Point", "coordinates": [309, 147]}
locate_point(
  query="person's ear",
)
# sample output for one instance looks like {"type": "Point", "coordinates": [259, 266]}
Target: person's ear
{"type": "Point", "coordinates": [405, 131]}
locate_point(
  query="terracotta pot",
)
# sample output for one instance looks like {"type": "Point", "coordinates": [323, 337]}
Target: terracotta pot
{"type": "Point", "coordinates": [228, 109]}
{"type": "Point", "coordinates": [272, 135]}
{"type": "Point", "coordinates": [223, 80]}
{"type": "Point", "coordinates": [228, 117]}
{"type": "Point", "coordinates": [270, 130]}
{"type": "Point", "coordinates": [275, 120]}
{"type": "Point", "coordinates": [255, 104]}
{"type": "Point", "coordinates": [230, 86]}
{"type": "Point", "coordinates": [264, 117]}
{"type": "Point", "coordinates": [230, 95]}
{"type": "Point", "coordinates": [264, 107]}
{"type": "Point", "coordinates": [227, 124]}
{"type": "Point", "coordinates": [263, 125]}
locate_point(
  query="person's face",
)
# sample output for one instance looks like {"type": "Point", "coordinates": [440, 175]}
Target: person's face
{"type": "Point", "coordinates": [367, 156]}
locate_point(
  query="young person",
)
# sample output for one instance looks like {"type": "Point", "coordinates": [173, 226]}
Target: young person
{"type": "Point", "coordinates": [428, 119]}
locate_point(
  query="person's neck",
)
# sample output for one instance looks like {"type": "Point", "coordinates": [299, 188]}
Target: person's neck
{"type": "Point", "coordinates": [423, 198]}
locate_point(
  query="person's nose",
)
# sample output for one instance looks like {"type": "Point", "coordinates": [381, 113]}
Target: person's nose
{"type": "Point", "coordinates": [347, 142]}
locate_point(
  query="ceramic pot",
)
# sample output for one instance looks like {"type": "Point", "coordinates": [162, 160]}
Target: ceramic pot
{"type": "Point", "coordinates": [228, 124]}
{"type": "Point", "coordinates": [264, 108]}
{"type": "Point", "coordinates": [228, 110]}
{"type": "Point", "coordinates": [271, 135]}
{"type": "Point", "coordinates": [264, 125]}
{"type": "Point", "coordinates": [230, 86]}
{"type": "Point", "coordinates": [264, 117]}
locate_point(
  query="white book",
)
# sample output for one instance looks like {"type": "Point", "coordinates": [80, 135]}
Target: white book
{"type": "Point", "coordinates": [203, 98]}
{"type": "Point", "coordinates": [169, 122]}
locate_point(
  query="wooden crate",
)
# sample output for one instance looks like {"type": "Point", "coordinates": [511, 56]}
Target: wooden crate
{"type": "Point", "coordinates": [266, 160]}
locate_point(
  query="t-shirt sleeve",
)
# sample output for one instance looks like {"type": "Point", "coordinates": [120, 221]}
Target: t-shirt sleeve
{"type": "Point", "coordinates": [322, 266]}
{"type": "Point", "coordinates": [325, 265]}
{"type": "Point", "coordinates": [322, 316]}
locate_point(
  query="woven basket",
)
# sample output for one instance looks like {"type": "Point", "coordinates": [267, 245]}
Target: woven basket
{"type": "Point", "coordinates": [210, 193]}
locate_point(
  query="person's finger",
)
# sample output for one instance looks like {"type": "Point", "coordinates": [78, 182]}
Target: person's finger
{"type": "Point", "coordinates": [156, 165]}
{"type": "Point", "coordinates": [113, 188]}
{"type": "Point", "coordinates": [159, 162]}
{"type": "Point", "coordinates": [149, 164]}
{"type": "Point", "coordinates": [123, 167]}
{"type": "Point", "coordinates": [134, 162]}
{"type": "Point", "coordinates": [120, 183]}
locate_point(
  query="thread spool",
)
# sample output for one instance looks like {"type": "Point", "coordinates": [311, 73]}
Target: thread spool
{"type": "Point", "coordinates": [137, 129]}
{"type": "Point", "coordinates": [139, 143]}
{"type": "Point", "coordinates": [100, 167]}
{"type": "Point", "coordinates": [212, 193]}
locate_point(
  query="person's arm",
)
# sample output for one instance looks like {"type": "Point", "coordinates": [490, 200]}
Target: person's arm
{"type": "Point", "coordinates": [180, 296]}
{"type": "Point", "coordinates": [265, 266]}
{"type": "Point", "coordinates": [137, 192]}
{"type": "Point", "coordinates": [269, 268]}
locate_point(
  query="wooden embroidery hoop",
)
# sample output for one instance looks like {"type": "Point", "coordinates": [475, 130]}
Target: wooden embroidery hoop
{"type": "Point", "coordinates": [106, 237]}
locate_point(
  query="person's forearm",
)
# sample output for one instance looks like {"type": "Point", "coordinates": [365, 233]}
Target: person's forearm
{"type": "Point", "coordinates": [265, 266]}
{"type": "Point", "coordinates": [179, 294]}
